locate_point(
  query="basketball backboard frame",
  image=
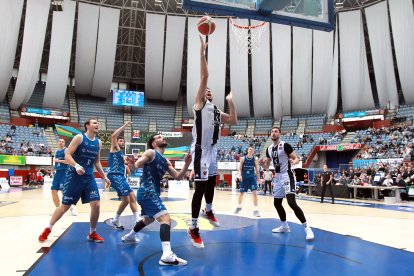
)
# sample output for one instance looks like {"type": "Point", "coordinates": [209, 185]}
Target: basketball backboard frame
{"type": "Point", "coordinates": [224, 8]}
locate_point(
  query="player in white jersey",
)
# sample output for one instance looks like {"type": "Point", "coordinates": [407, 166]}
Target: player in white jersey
{"type": "Point", "coordinates": [206, 132]}
{"type": "Point", "coordinates": [283, 156]}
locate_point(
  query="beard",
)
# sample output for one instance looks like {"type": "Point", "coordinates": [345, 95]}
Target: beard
{"type": "Point", "coordinates": [275, 139]}
{"type": "Point", "coordinates": [163, 145]}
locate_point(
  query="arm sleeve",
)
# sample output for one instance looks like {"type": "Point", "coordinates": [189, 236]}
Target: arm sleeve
{"type": "Point", "coordinates": [288, 148]}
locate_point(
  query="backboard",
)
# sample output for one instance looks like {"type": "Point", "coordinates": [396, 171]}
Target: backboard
{"type": "Point", "coordinates": [313, 14]}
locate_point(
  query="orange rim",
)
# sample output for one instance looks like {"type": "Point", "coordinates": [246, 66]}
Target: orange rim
{"type": "Point", "coordinates": [246, 27]}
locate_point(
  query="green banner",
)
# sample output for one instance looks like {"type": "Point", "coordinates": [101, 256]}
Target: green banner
{"type": "Point", "coordinates": [12, 160]}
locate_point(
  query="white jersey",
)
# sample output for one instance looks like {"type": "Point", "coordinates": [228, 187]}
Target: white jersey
{"type": "Point", "coordinates": [206, 128]}
{"type": "Point", "coordinates": [280, 156]}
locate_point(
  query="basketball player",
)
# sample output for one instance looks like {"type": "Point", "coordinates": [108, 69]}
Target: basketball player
{"type": "Point", "coordinates": [206, 132]}
{"type": "Point", "coordinates": [248, 173]}
{"type": "Point", "coordinates": [283, 156]}
{"type": "Point", "coordinates": [154, 166]}
{"type": "Point", "coordinates": [82, 155]}
{"type": "Point", "coordinates": [116, 175]}
{"type": "Point", "coordinates": [59, 177]}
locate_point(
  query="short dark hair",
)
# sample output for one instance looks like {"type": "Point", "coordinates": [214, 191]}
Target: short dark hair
{"type": "Point", "coordinates": [278, 128]}
{"type": "Point", "coordinates": [151, 140]}
{"type": "Point", "coordinates": [88, 122]}
{"type": "Point", "coordinates": [120, 137]}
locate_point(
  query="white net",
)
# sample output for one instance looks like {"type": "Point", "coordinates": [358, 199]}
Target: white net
{"type": "Point", "coordinates": [248, 37]}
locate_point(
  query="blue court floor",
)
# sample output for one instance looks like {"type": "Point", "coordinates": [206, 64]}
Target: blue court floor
{"type": "Point", "coordinates": [242, 246]}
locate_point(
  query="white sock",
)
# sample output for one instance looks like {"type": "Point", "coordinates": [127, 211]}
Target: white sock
{"type": "Point", "coordinates": [194, 223]}
{"type": "Point", "coordinates": [285, 224]}
{"type": "Point", "coordinates": [91, 230]}
{"type": "Point", "coordinates": [137, 217]}
{"type": "Point", "coordinates": [116, 217]}
{"type": "Point", "coordinates": [131, 234]}
{"type": "Point", "coordinates": [305, 224]}
{"type": "Point", "coordinates": [239, 206]}
{"type": "Point", "coordinates": [72, 207]}
{"type": "Point", "coordinates": [50, 227]}
{"type": "Point", "coordinates": [256, 208]}
{"type": "Point", "coordinates": [166, 248]}
{"type": "Point", "coordinates": [209, 207]}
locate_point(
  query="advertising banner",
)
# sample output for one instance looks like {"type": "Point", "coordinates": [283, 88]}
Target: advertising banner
{"type": "Point", "coordinates": [12, 160]}
{"type": "Point", "coordinates": [39, 160]}
{"type": "Point", "coordinates": [16, 180]}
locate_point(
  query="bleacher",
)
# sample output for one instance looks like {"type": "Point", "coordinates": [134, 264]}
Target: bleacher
{"type": "Point", "coordinates": [241, 127]}
{"type": "Point", "coordinates": [102, 109]}
{"type": "Point", "coordinates": [289, 125]}
{"type": "Point", "coordinates": [36, 100]}
{"type": "Point", "coordinates": [406, 111]}
{"type": "Point", "coordinates": [4, 111]}
{"type": "Point", "coordinates": [23, 133]}
{"type": "Point", "coordinates": [263, 125]}
{"type": "Point", "coordinates": [315, 122]}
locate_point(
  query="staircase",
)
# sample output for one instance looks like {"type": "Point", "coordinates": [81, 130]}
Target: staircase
{"type": "Point", "coordinates": [348, 138]}
{"type": "Point", "coordinates": [73, 106]}
{"type": "Point", "coordinates": [152, 127]}
{"type": "Point", "coordinates": [128, 118]}
{"type": "Point", "coordinates": [10, 92]}
{"type": "Point", "coordinates": [301, 126]}
{"type": "Point", "coordinates": [251, 125]}
{"type": "Point", "coordinates": [178, 118]}
{"type": "Point", "coordinates": [51, 139]}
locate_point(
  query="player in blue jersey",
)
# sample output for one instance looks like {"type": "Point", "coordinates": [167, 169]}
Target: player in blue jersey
{"type": "Point", "coordinates": [249, 176]}
{"type": "Point", "coordinates": [116, 175]}
{"type": "Point", "coordinates": [82, 155]}
{"type": "Point", "coordinates": [59, 177]}
{"type": "Point", "coordinates": [154, 166]}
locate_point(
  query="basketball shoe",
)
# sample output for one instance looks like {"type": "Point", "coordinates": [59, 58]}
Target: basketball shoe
{"type": "Point", "coordinates": [94, 237]}
{"type": "Point", "coordinates": [127, 239]}
{"type": "Point", "coordinates": [195, 237]}
{"type": "Point", "coordinates": [210, 216]}
{"type": "Point", "coordinates": [116, 224]}
{"type": "Point", "coordinates": [172, 260]}
{"type": "Point", "coordinates": [281, 229]}
{"type": "Point", "coordinates": [44, 235]}
{"type": "Point", "coordinates": [309, 233]}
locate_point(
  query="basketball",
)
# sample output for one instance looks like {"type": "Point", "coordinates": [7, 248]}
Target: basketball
{"type": "Point", "coordinates": [206, 25]}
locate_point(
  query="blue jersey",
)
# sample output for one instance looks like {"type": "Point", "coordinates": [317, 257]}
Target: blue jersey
{"type": "Point", "coordinates": [116, 163]}
{"type": "Point", "coordinates": [153, 173]}
{"type": "Point", "coordinates": [248, 167]}
{"type": "Point", "coordinates": [60, 155]}
{"type": "Point", "coordinates": [86, 153]}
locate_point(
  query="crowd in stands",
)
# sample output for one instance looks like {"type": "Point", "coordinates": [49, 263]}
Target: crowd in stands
{"type": "Point", "coordinates": [238, 150]}
{"type": "Point", "coordinates": [382, 174]}
{"type": "Point", "coordinates": [387, 142]}
{"type": "Point", "coordinates": [12, 144]}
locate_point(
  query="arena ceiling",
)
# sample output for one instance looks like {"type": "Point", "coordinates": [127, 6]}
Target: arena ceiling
{"type": "Point", "coordinates": [130, 54]}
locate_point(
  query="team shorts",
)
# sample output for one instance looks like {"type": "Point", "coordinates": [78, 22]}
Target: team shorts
{"type": "Point", "coordinates": [205, 162]}
{"type": "Point", "coordinates": [248, 183]}
{"type": "Point", "coordinates": [151, 204]}
{"type": "Point", "coordinates": [59, 180]}
{"type": "Point", "coordinates": [283, 184]}
{"type": "Point", "coordinates": [79, 187]}
{"type": "Point", "coordinates": [120, 184]}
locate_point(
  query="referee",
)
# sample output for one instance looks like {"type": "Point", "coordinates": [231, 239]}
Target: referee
{"type": "Point", "coordinates": [326, 181]}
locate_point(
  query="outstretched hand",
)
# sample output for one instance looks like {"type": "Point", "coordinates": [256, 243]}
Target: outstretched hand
{"type": "Point", "coordinates": [188, 159]}
{"type": "Point", "coordinates": [229, 96]}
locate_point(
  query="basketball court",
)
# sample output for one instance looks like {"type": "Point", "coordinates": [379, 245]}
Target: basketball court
{"type": "Point", "coordinates": [351, 237]}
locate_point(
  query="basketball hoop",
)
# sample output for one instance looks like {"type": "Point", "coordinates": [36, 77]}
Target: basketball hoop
{"type": "Point", "coordinates": [248, 37]}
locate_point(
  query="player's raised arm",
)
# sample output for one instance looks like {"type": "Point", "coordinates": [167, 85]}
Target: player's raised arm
{"type": "Point", "coordinates": [200, 97]}
{"type": "Point", "coordinates": [231, 118]}
{"type": "Point", "coordinates": [114, 137]}
{"type": "Point", "coordinates": [179, 175]}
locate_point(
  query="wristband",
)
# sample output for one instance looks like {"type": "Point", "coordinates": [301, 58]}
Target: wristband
{"type": "Point", "coordinates": [77, 166]}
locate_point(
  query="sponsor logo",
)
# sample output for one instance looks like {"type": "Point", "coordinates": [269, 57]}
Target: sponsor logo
{"type": "Point", "coordinates": [94, 194]}
{"type": "Point", "coordinates": [67, 198]}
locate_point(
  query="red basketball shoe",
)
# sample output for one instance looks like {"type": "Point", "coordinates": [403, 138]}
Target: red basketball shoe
{"type": "Point", "coordinates": [44, 235]}
{"type": "Point", "coordinates": [210, 216]}
{"type": "Point", "coordinates": [195, 237]}
{"type": "Point", "coordinates": [94, 237]}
